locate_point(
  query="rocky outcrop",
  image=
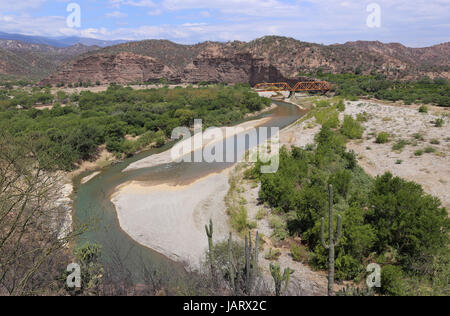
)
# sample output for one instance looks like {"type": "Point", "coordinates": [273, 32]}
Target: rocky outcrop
{"type": "Point", "coordinates": [232, 68]}
{"type": "Point", "coordinates": [119, 68]}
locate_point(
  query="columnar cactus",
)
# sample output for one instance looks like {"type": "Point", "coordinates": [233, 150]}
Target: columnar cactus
{"type": "Point", "coordinates": [209, 234]}
{"type": "Point", "coordinates": [280, 278]}
{"type": "Point", "coordinates": [231, 268]}
{"type": "Point", "coordinates": [334, 241]}
{"type": "Point", "coordinates": [250, 272]}
{"type": "Point", "coordinates": [251, 261]}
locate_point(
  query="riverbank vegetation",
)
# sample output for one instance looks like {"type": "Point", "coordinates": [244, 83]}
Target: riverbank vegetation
{"type": "Point", "coordinates": [126, 120]}
{"type": "Point", "coordinates": [424, 91]}
{"type": "Point", "coordinates": [387, 220]}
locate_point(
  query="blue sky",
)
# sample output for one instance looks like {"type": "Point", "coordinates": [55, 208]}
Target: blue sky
{"type": "Point", "coordinates": [414, 23]}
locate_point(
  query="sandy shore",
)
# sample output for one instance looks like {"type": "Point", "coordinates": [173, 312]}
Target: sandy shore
{"type": "Point", "coordinates": [171, 219]}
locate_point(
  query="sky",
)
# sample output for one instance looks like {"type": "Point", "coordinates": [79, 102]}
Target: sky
{"type": "Point", "coordinates": [414, 23]}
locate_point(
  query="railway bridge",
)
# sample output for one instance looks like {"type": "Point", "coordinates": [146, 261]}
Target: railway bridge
{"type": "Point", "coordinates": [306, 86]}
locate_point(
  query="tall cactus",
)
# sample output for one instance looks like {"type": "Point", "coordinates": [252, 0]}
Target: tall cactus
{"type": "Point", "coordinates": [334, 241]}
{"type": "Point", "coordinates": [209, 234]}
{"type": "Point", "coordinates": [231, 268]}
{"type": "Point", "coordinates": [251, 262]}
{"type": "Point", "coordinates": [280, 278]}
{"type": "Point", "coordinates": [250, 272]}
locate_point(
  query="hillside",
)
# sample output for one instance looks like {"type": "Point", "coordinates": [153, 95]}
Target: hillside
{"type": "Point", "coordinates": [35, 61]}
{"type": "Point", "coordinates": [267, 58]}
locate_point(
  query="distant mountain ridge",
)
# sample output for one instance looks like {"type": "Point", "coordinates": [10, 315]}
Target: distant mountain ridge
{"type": "Point", "coordinates": [58, 41]}
{"type": "Point", "coordinates": [274, 56]}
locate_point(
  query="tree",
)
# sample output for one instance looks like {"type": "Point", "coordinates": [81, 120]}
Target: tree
{"type": "Point", "coordinates": [406, 218]}
{"type": "Point", "coordinates": [33, 245]}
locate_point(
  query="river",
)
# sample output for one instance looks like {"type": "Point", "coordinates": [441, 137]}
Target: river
{"type": "Point", "coordinates": [92, 203]}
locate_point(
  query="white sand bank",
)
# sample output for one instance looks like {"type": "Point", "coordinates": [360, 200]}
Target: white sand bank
{"type": "Point", "coordinates": [171, 219]}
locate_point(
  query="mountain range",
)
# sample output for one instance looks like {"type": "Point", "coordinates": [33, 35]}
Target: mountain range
{"type": "Point", "coordinates": [270, 58]}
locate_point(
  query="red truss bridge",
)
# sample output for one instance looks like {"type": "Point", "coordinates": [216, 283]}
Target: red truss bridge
{"type": "Point", "coordinates": [308, 86]}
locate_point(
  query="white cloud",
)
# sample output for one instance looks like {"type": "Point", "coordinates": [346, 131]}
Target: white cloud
{"type": "Point", "coordinates": [20, 5]}
{"type": "Point", "coordinates": [117, 14]}
{"type": "Point", "coordinates": [154, 12]}
{"type": "Point", "coordinates": [263, 8]}
{"type": "Point", "coordinates": [134, 3]}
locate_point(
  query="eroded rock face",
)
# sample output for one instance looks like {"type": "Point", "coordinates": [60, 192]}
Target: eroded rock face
{"type": "Point", "coordinates": [231, 68]}
{"type": "Point", "coordinates": [118, 68]}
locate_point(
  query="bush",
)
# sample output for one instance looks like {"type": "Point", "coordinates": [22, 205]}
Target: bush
{"type": "Point", "coordinates": [272, 254]}
{"type": "Point", "coordinates": [435, 141]}
{"type": "Point", "coordinates": [418, 152]}
{"type": "Point", "coordinates": [406, 218]}
{"type": "Point", "coordinates": [423, 109]}
{"type": "Point", "coordinates": [439, 122]}
{"type": "Point", "coordinates": [430, 150]}
{"type": "Point", "coordinates": [340, 106]}
{"type": "Point", "coordinates": [392, 281]}
{"type": "Point", "coordinates": [352, 128]}
{"type": "Point", "coordinates": [400, 144]}
{"type": "Point", "coordinates": [298, 253]}
{"type": "Point", "coordinates": [382, 138]}
{"type": "Point", "coordinates": [239, 219]}
{"type": "Point", "coordinates": [279, 227]}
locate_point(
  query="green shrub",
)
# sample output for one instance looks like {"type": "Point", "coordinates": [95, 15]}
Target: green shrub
{"type": "Point", "coordinates": [279, 227]}
{"type": "Point", "coordinates": [362, 117]}
{"type": "Point", "coordinates": [439, 122]}
{"type": "Point", "coordinates": [418, 152]}
{"type": "Point", "coordinates": [435, 141]}
{"type": "Point", "coordinates": [382, 138]}
{"type": "Point", "coordinates": [423, 109]}
{"type": "Point", "coordinates": [323, 103]}
{"type": "Point", "coordinates": [392, 281]}
{"type": "Point", "coordinates": [400, 145]}
{"type": "Point", "coordinates": [239, 219]}
{"type": "Point", "coordinates": [272, 254]}
{"type": "Point", "coordinates": [298, 253]}
{"type": "Point", "coordinates": [352, 128]}
{"type": "Point", "coordinates": [340, 106]}
{"type": "Point", "coordinates": [327, 117]}
{"type": "Point", "coordinates": [430, 150]}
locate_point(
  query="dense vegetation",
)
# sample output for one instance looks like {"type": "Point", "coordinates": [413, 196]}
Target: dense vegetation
{"type": "Point", "coordinates": [73, 132]}
{"type": "Point", "coordinates": [425, 90]}
{"type": "Point", "coordinates": [386, 220]}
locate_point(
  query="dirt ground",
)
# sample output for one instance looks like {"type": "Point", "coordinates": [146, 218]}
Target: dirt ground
{"type": "Point", "coordinates": [431, 170]}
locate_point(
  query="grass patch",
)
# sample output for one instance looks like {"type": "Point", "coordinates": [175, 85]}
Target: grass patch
{"type": "Point", "coordinates": [439, 122]}
{"type": "Point", "coordinates": [352, 128]}
{"type": "Point", "coordinates": [279, 227]}
{"type": "Point", "coordinates": [382, 138]}
{"type": "Point", "coordinates": [423, 109]}
{"type": "Point", "coordinates": [272, 254]}
{"type": "Point", "coordinates": [418, 152]}
{"type": "Point", "coordinates": [435, 141]}
{"type": "Point", "coordinates": [400, 145]}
